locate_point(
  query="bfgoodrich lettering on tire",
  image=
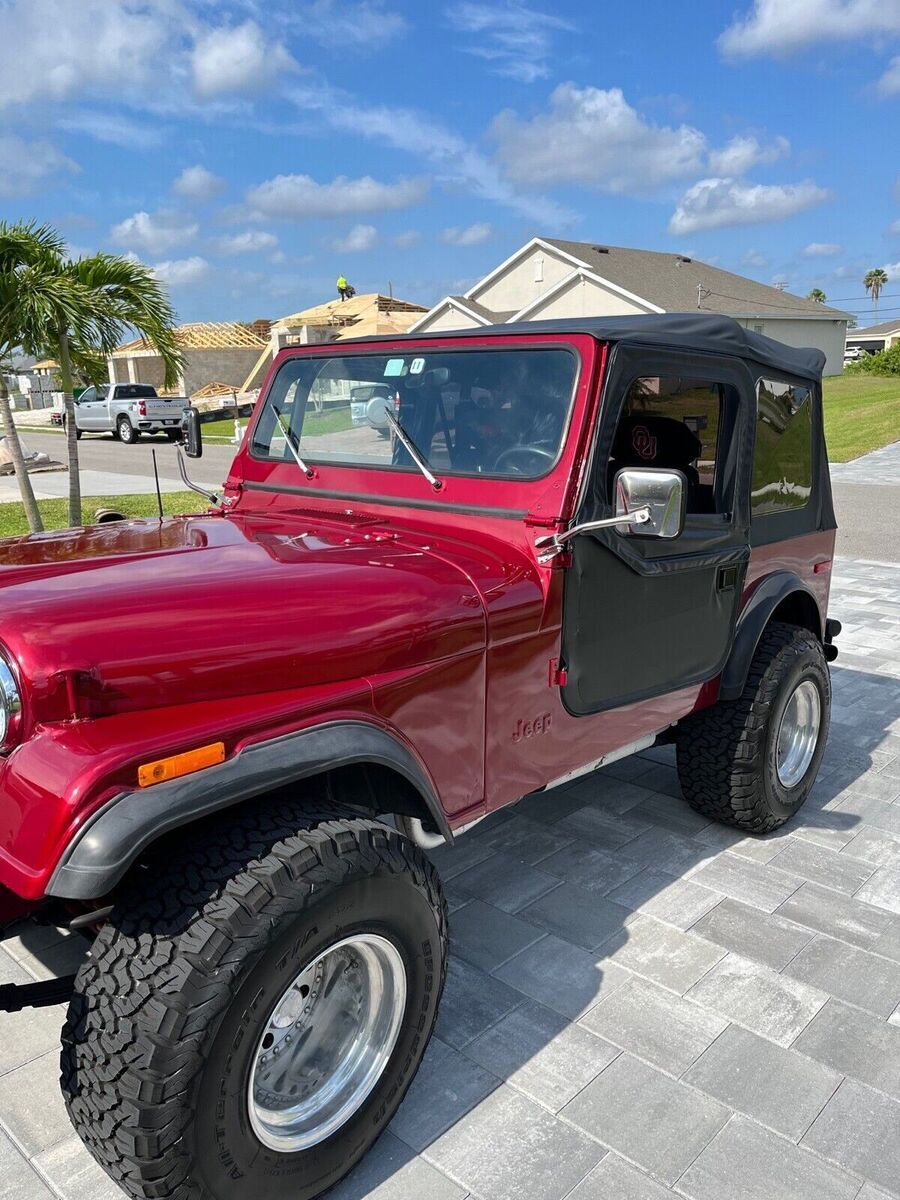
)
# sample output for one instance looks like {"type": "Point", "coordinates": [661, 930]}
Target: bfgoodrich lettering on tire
{"type": "Point", "coordinates": [751, 762]}
{"type": "Point", "coordinates": [254, 1011]}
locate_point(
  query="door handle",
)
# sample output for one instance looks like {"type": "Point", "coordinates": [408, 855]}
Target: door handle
{"type": "Point", "coordinates": [726, 579]}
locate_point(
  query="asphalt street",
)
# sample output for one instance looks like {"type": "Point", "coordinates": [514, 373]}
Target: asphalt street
{"type": "Point", "coordinates": [102, 453]}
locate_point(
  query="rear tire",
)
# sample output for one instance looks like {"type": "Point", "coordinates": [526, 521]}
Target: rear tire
{"type": "Point", "coordinates": [126, 432]}
{"type": "Point", "coordinates": [189, 981]}
{"type": "Point", "coordinates": [751, 762]}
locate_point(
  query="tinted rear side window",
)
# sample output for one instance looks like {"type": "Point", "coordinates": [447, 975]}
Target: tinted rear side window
{"type": "Point", "coordinates": [782, 460]}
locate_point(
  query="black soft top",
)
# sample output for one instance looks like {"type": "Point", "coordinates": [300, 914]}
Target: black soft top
{"type": "Point", "coordinates": [705, 332]}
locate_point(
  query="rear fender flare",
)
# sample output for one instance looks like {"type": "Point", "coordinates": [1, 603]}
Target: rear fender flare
{"type": "Point", "coordinates": [754, 618]}
{"type": "Point", "coordinates": [112, 839]}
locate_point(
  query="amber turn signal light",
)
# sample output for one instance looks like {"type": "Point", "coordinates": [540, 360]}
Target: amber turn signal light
{"type": "Point", "coordinates": [181, 764]}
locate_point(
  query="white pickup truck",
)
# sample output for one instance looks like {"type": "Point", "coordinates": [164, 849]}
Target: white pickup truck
{"type": "Point", "coordinates": [126, 410]}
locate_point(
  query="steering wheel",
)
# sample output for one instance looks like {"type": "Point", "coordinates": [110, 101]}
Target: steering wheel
{"type": "Point", "coordinates": [507, 458]}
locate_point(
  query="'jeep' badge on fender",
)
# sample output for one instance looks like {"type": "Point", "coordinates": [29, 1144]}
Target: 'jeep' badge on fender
{"type": "Point", "coordinates": [527, 729]}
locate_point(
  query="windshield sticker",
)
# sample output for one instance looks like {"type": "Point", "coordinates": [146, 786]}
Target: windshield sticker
{"type": "Point", "coordinates": [395, 366]}
{"type": "Point", "coordinates": [417, 366]}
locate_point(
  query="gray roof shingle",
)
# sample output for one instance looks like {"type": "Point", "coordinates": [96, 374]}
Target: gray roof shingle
{"type": "Point", "coordinates": [883, 329]}
{"type": "Point", "coordinates": [671, 281]}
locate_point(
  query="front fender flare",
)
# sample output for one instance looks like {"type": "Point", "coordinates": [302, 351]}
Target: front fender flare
{"type": "Point", "coordinates": [752, 621]}
{"type": "Point", "coordinates": [103, 850]}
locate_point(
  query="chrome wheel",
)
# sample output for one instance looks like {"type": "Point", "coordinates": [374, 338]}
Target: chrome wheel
{"type": "Point", "coordinates": [327, 1042]}
{"type": "Point", "coordinates": [798, 734]}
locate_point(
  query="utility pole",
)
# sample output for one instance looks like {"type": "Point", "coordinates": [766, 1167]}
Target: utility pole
{"type": "Point", "coordinates": [702, 293]}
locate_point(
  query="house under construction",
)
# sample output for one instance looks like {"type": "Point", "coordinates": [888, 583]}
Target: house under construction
{"type": "Point", "coordinates": [224, 358]}
{"type": "Point", "coordinates": [223, 352]}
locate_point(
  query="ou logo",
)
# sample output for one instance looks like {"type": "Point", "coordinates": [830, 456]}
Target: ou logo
{"type": "Point", "coordinates": [643, 442]}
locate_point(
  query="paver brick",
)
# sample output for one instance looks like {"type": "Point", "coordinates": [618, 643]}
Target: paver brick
{"type": "Point", "coordinates": [765, 937]}
{"type": "Point", "coordinates": [747, 1162]}
{"type": "Point", "coordinates": [840, 916]}
{"type": "Point", "coordinates": [856, 1044]}
{"type": "Point", "coordinates": [542, 1054]}
{"type": "Point", "coordinates": [860, 1130]}
{"type": "Point", "coordinates": [655, 1025]}
{"type": "Point", "coordinates": [647, 1116]}
{"type": "Point", "coordinates": [777, 1087]}
{"type": "Point", "coordinates": [759, 998]}
{"type": "Point", "coordinates": [848, 973]}
{"type": "Point", "coordinates": [509, 1148]}
{"type": "Point", "coordinates": [664, 954]}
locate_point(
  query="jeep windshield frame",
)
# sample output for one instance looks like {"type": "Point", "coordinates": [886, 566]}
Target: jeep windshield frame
{"type": "Point", "coordinates": [485, 412]}
{"type": "Point", "coordinates": [260, 477]}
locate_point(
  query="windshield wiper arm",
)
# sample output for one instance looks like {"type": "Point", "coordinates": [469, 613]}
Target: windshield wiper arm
{"type": "Point", "coordinates": [414, 452]}
{"type": "Point", "coordinates": [307, 470]}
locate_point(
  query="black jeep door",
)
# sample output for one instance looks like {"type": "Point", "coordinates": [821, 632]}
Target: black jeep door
{"type": "Point", "coordinates": [644, 616]}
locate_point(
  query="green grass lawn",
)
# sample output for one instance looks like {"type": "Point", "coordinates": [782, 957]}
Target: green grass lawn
{"type": "Point", "coordinates": [13, 523]}
{"type": "Point", "coordinates": [862, 413]}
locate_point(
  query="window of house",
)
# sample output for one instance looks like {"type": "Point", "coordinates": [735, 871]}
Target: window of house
{"type": "Point", "coordinates": [674, 422]}
{"type": "Point", "coordinates": [782, 459]}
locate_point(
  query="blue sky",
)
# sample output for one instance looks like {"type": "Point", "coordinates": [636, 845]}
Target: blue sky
{"type": "Point", "coordinates": [249, 150]}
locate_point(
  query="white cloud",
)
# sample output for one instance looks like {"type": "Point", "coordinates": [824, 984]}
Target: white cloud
{"type": "Point", "coordinates": [752, 258]}
{"type": "Point", "coordinates": [471, 235]}
{"type": "Point", "coordinates": [251, 242]}
{"type": "Point", "coordinates": [594, 137]}
{"type": "Point", "coordinates": [514, 39]}
{"type": "Point", "coordinates": [298, 197]}
{"type": "Point", "coordinates": [741, 153]}
{"type": "Point", "coordinates": [455, 161]}
{"type": "Point", "coordinates": [113, 128]}
{"type": "Point", "coordinates": [895, 226]}
{"type": "Point", "coordinates": [892, 270]}
{"type": "Point", "coordinates": [360, 237]}
{"type": "Point", "coordinates": [889, 83]}
{"type": "Point", "coordinates": [155, 233]}
{"type": "Point", "coordinates": [56, 48]}
{"type": "Point", "coordinates": [182, 272]}
{"type": "Point", "coordinates": [718, 203]}
{"type": "Point", "coordinates": [409, 237]}
{"type": "Point", "coordinates": [783, 26]}
{"type": "Point", "coordinates": [237, 59]}
{"type": "Point", "coordinates": [367, 24]}
{"type": "Point", "coordinates": [197, 183]}
{"type": "Point", "coordinates": [822, 249]}
{"type": "Point", "coordinates": [28, 164]}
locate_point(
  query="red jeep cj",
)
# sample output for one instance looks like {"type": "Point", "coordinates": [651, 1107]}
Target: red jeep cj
{"type": "Point", "coordinates": [228, 741]}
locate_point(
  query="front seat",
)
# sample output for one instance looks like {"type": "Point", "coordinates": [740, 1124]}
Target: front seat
{"type": "Point", "coordinates": [662, 442]}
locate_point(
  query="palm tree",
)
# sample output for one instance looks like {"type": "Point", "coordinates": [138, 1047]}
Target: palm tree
{"type": "Point", "coordinates": [21, 247]}
{"type": "Point", "coordinates": [874, 282]}
{"type": "Point", "coordinates": [81, 314]}
{"type": "Point", "coordinates": [818, 295]}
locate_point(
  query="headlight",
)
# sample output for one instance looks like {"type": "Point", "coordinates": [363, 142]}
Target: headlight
{"type": "Point", "coordinates": [10, 705]}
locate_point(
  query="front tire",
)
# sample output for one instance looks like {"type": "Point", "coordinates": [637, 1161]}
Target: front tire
{"type": "Point", "coordinates": [752, 762]}
{"type": "Point", "coordinates": [213, 957]}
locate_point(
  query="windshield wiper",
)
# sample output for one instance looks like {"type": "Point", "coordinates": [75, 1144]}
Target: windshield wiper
{"type": "Point", "coordinates": [307, 470]}
{"type": "Point", "coordinates": [414, 452]}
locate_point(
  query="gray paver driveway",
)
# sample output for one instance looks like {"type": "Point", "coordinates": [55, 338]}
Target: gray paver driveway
{"type": "Point", "coordinates": [640, 1004]}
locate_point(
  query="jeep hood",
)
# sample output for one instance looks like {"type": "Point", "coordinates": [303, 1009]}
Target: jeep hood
{"type": "Point", "coordinates": [146, 614]}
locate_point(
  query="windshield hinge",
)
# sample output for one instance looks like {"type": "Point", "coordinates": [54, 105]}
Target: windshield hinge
{"type": "Point", "coordinates": [557, 674]}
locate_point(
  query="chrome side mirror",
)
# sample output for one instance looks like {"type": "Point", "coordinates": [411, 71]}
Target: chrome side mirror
{"type": "Point", "coordinates": [190, 431]}
{"type": "Point", "coordinates": [661, 493]}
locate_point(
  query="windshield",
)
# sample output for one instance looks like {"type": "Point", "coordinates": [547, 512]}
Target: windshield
{"type": "Point", "coordinates": [500, 412]}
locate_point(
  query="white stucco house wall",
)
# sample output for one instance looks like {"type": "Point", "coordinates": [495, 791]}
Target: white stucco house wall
{"type": "Point", "coordinates": [549, 278]}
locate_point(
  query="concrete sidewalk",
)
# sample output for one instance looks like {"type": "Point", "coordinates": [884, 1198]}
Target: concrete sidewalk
{"type": "Point", "coordinates": [55, 485]}
{"type": "Point", "coordinates": [640, 1004]}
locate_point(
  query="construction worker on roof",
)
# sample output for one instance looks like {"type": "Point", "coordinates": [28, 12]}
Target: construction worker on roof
{"type": "Point", "coordinates": [345, 289]}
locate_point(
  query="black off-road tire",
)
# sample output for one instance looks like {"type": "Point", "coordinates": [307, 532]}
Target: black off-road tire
{"type": "Point", "coordinates": [726, 754]}
{"type": "Point", "coordinates": [126, 432]}
{"type": "Point", "coordinates": [205, 938]}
